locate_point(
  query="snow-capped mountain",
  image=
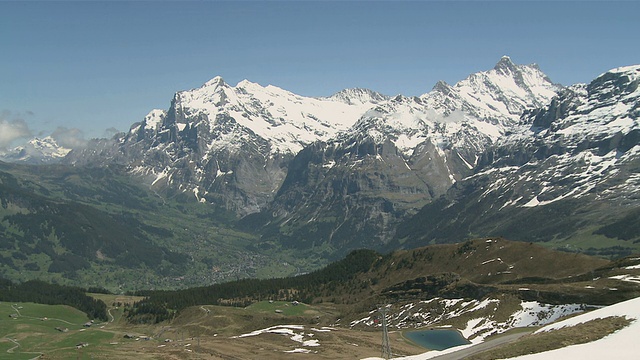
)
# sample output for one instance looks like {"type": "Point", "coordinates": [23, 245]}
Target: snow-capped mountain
{"type": "Point", "coordinates": [288, 122]}
{"type": "Point", "coordinates": [400, 155]}
{"type": "Point", "coordinates": [230, 145]}
{"type": "Point", "coordinates": [344, 171]}
{"type": "Point", "coordinates": [36, 151]}
{"type": "Point", "coordinates": [571, 167]}
{"type": "Point", "coordinates": [588, 134]}
{"type": "Point", "coordinates": [484, 106]}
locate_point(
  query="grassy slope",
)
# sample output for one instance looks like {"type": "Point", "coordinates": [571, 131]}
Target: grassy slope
{"type": "Point", "coordinates": [32, 334]}
{"type": "Point", "coordinates": [213, 327]}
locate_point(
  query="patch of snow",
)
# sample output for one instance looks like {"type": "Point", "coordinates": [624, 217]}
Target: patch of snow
{"type": "Point", "coordinates": [619, 345]}
{"type": "Point", "coordinates": [627, 278]}
{"type": "Point", "coordinates": [290, 331]}
{"type": "Point", "coordinates": [329, 164]}
{"type": "Point", "coordinates": [153, 120]}
{"type": "Point", "coordinates": [492, 260]}
{"type": "Point", "coordinates": [298, 351]}
{"type": "Point", "coordinates": [532, 203]}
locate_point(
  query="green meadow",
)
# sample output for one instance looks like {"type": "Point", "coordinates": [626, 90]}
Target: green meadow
{"type": "Point", "coordinates": [28, 330]}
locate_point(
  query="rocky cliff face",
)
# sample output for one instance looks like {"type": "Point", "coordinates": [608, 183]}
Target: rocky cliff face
{"type": "Point", "coordinates": [352, 190]}
{"type": "Point", "coordinates": [569, 170]}
{"type": "Point", "coordinates": [227, 145]}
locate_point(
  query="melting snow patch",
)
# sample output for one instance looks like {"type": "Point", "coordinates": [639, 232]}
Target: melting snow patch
{"type": "Point", "coordinates": [532, 203]}
{"type": "Point", "coordinates": [329, 164]}
{"type": "Point", "coordinates": [619, 345]}
{"type": "Point", "coordinates": [322, 329]}
{"type": "Point", "coordinates": [160, 176]}
{"type": "Point", "coordinates": [628, 278]}
{"type": "Point", "coordinates": [288, 330]}
{"type": "Point", "coordinates": [280, 329]}
{"type": "Point", "coordinates": [534, 313]}
{"type": "Point", "coordinates": [492, 260]}
{"type": "Point", "coordinates": [311, 343]}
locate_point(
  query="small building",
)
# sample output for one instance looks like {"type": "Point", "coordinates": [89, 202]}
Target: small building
{"type": "Point", "coordinates": [87, 324]}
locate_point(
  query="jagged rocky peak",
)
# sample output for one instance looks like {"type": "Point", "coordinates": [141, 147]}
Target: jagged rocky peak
{"type": "Point", "coordinates": [215, 82]}
{"type": "Point", "coordinates": [441, 86]}
{"type": "Point", "coordinates": [505, 66]}
{"type": "Point", "coordinates": [358, 96]}
{"type": "Point", "coordinates": [526, 77]}
{"type": "Point", "coordinates": [499, 95]}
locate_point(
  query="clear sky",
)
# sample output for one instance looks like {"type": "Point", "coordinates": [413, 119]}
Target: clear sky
{"type": "Point", "coordinates": [79, 68]}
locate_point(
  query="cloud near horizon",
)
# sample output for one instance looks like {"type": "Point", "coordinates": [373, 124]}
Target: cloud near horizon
{"type": "Point", "coordinates": [12, 127]}
{"type": "Point", "coordinates": [70, 138]}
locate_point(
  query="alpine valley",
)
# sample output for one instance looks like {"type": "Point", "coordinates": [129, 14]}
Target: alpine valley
{"type": "Point", "coordinates": [253, 181]}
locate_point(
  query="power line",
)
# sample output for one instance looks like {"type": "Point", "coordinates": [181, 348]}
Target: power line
{"type": "Point", "coordinates": [386, 348]}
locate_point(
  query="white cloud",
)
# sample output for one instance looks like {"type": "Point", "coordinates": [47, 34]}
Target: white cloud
{"type": "Point", "coordinates": [12, 128]}
{"type": "Point", "coordinates": [69, 138]}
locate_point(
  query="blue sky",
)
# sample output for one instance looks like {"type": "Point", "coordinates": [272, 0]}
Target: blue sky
{"type": "Point", "coordinates": [83, 67]}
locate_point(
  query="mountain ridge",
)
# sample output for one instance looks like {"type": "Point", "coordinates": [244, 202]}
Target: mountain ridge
{"type": "Point", "coordinates": [400, 155]}
{"type": "Point", "coordinates": [346, 171]}
{"type": "Point", "coordinates": [581, 149]}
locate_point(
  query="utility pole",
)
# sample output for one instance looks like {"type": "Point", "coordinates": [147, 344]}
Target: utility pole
{"type": "Point", "coordinates": [386, 348]}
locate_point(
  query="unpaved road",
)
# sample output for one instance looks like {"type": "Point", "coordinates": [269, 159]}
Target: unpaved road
{"type": "Point", "coordinates": [490, 344]}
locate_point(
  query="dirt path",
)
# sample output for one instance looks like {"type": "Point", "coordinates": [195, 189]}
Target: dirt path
{"type": "Point", "coordinates": [476, 349]}
{"type": "Point", "coordinates": [37, 318]}
{"type": "Point", "coordinates": [13, 348]}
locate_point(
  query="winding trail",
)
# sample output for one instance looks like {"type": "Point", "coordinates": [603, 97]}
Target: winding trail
{"type": "Point", "coordinates": [37, 318]}
{"type": "Point", "coordinates": [112, 317]}
{"type": "Point", "coordinates": [10, 351]}
{"type": "Point", "coordinates": [16, 310]}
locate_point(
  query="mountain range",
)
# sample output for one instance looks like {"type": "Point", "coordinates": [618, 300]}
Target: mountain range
{"type": "Point", "coordinates": [504, 152]}
{"type": "Point", "coordinates": [36, 152]}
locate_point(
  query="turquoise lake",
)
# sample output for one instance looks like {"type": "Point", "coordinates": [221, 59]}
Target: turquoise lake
{"type": "Point", "coordinates": [437, 339]}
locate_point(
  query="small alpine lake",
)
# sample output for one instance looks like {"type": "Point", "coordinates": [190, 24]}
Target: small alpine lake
{"type": "Point", "coordinates": [436, 339]}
